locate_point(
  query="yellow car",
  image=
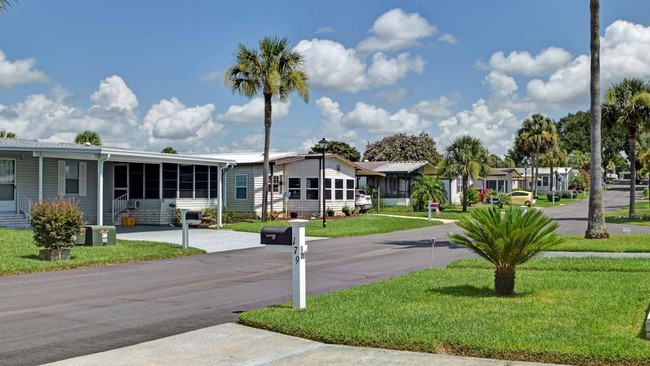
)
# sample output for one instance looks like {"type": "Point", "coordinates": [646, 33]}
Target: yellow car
{"type": "Point", "coordinates": [521, 198]}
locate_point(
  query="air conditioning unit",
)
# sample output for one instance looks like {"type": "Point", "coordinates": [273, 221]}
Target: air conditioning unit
{"type": "Point", "coordinates": [133, 205]}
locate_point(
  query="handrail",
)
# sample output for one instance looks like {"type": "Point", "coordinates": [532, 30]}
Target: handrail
{"type": "Point", "coordinates": [24, 204]}
{"type": "Point", "coordinates": [119, 205]}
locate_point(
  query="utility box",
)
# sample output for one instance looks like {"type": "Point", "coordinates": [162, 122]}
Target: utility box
{"type": "Point", "coordinates": [81, 237]}
{"type": "Point", "coordinates": [276, 235]}
{"type": "Point", "coordinates": [100, 235]}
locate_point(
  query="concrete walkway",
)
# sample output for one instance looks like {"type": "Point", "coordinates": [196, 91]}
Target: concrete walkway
{"type": "Point", "coordinates": [233, 344]}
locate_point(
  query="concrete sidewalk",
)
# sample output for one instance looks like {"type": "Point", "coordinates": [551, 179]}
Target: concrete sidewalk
{"type": "Point", "coordinates": [233, 344]}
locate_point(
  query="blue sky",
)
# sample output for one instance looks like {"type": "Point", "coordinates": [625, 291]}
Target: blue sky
{"type": "Point", "coordinates": [149, 74]}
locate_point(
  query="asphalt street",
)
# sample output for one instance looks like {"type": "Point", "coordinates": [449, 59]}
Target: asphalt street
{"type": "Point", "coordinates": [57, 315]}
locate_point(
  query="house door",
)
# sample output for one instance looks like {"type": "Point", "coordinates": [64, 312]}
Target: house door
{"type": "Point", "coordinates": [120, 180]}
{"type": "Point", "coordinates": [7, 185]}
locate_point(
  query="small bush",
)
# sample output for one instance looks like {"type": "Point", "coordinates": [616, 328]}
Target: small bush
{"type": "Point", "coordinates": [645, 192]}
{"type": "Point", "coordinates": [472, 196]}
{"type": "Point", "coordinates": [558, 196]}
{"type": "Point", "coordinates": [330, 211]}
{"type": "Point", "coordinates": [56, 223]}
{"type": "Point", "coordinates": [272, 215]}
{"type": "Point", "coordinates": [347, 211]}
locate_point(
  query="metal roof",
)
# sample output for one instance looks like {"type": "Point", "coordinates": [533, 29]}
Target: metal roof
{"type": "Point", "coordinates": [393, 166]}
{"type": "Point", "coordinates": [249, 157]}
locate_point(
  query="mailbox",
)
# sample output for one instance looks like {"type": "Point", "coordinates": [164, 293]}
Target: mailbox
{"type": "Point", "coordinates": [100, 235]}
{"type": "Point", "coordinates": [193, 217]}
{"type": "Point", "coordinates": [276, 235]}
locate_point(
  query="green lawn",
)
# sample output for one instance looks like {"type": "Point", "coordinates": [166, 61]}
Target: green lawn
{"type": "Point", "coordinates": [542, 201]}
{"type": "Point", "coordinates": [19, 253]}
{"type": "Point", "coordinates": [620, 216]}
{"type": "Point", "coordinates": [562, 313]}
{"type": "Point", "coordinates": [632, 243]}
{"type": "Point", "coordinates": [342, 226]}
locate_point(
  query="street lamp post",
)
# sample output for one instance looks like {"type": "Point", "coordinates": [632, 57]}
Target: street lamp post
{"type": "Point", "coordinates": [323, 146]}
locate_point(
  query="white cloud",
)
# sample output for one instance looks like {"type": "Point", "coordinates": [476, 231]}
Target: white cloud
{"type": "Point", "coordinates": [448, 38]}
{"type": "Point", "coordinates": [393, 95]}
{"type": "Point", "coordinates": [211, 76]}
{"type": "Point", "coordinates": [253, 112]}
{"type": "Point", "coordinates": [521, 62]}
{"type": "Point", "coordinates": [172, 120]}
{"type": "Point", "coordinates": [331, 66]}
{"type": "Point", "coordinates": [252, 143]}
{"type": "Point", "coordinates": [395, 30]}
{"type": "Point", "coordinates": [325, 29]}
{"type": "Point", "coordinates": [19, 72]}
{"type": "Point", "coordinates": [378, 121]}
{"type": "Point", "coordinates": [501, 84]}
{"type": "Point", "coordinates": [441, 107]}
{"type": "Point", "coordinates": [113, 93]}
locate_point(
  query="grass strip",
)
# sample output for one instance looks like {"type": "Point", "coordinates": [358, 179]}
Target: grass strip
{"type": "Point", "coordinates": [590, 264]}
{"type": "Point", "coordinates": [19, 253]}
{"type": "Point", "coordinates": [342, 226]}
{"type": "Point", "coordinates": [582, 318]}
{"type": "Point", "coordinates": [617, 243]}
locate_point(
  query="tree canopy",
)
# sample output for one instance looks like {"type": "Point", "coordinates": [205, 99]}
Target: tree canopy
{"type": "Point", "coordinates": [7, 135]}
{"type": "Point", "coordinates": [403, 147]}
{"type": "Point", "coordinates": [338, 147]}
{"type": "Point", "coordinates": [169, 150]}
{"type": "Point", "coordinates": [88, 136]}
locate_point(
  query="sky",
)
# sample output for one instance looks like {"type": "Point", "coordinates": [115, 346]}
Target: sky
{"type": "Point", "coordinates": [149, 74]}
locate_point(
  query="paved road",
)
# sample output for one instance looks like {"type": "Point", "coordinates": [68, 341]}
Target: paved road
{"type": "Point", "coordinates": [58, 315]}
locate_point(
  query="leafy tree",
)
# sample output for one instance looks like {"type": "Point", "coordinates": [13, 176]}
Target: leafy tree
{"type": "Point", "coordinates": [536, 135]}
{"type": "Point", "coordinates": [7, 135]}
{"type": "Point", "coordinates": [506, 241]}
{"type": "Point", "coordinates": [169, 150]}
{"type": "Point", "coordinates": [579, 160]}
{"type": "Point", "coordinates": [88, 136]}
{"type": "Point", "coordinates": [628, 103]}
{"type": "Point", "coordinates": [338, 147]}
{"type": "Point", "coordinates": [427, 188]}
{"type": "Point", "coordinates": [274, 70]}
{"type": "Point", "coordinates": [465, 157]}
{"type": "Point", "coordinates": [518, 156]}
{"type": "Point", "coordinates": [572, 130]}
{"type": "Point", "coordinates": [555, 157]}
{"type": "Point", "coordinates": [403, 147]}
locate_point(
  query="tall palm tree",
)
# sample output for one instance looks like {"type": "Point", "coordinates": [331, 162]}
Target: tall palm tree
{"type": "Point", "coordinates": [536, 135]}
{"type": "Point", "coordinates": [7, 135]}
{"type": "Point", "coordinates": [88, 136]}
{"type": "Point", "coordinates": [275, 70]}
{"type": "Point", "coordinates": [506, 241]}
{"type": "Point", "coordinates": [552, 158]}
{"type": "Point", "coordinates": [427, 188]}
{"type": "Point", "coordinates": [628, 103]}
{"type": "Point", "coordinates": [465, 157]}
{"type": "Point", "coordinates": [5, 4]}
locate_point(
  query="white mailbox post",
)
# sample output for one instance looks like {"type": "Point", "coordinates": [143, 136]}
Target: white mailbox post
{"type": "Point", "coordinates": [298, 250]}
{"type": "Point", "coordinates": [185, 228]}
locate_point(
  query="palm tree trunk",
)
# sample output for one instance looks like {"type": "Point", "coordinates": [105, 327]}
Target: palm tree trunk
{"type": "Point", "coordinates": [465, 193]}
{"type": "Point", "coordinates": [504, 281]}
{"type": "Point", "coordinates": [596, 219]}
{"type": "Point", "coordinates": [267, 147]}
{"type": "Point", "coordinates": [632, 132]}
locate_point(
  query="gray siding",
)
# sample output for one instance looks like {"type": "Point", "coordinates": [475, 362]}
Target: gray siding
{"type": "Point", "coordinates": [88, 203]}
{"type": "Point", "coordinates": [233, 204]}
{"type": "Point", "coordinates": [26, 173]}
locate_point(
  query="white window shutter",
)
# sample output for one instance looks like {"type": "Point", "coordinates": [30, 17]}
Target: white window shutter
{"type": "Point", "coordinates": [61, 178]}
{"type": "Point", "coordinates": [82, 179]}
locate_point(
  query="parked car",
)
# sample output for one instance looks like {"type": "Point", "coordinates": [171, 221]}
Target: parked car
{"type": "Point", "coordinates": [483, 193]}
{"type": "Point", "coordinates": [522, 198]}
{"type": "Point", "coordinates": [362, 201]}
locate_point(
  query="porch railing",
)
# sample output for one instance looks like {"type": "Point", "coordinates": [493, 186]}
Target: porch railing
{"type": "Point", "coordinates": [24, 204]}
{"type": "Point", "coordinates": [119, 204]}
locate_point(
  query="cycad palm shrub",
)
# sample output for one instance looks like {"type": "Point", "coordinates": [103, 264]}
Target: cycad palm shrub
{"type": "Point", "coordinates": [506, 241]}
{"type": "Point", "coordinates": [427, 188]}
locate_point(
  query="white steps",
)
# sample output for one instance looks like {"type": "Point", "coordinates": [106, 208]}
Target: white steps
{"type": "Point", "coordinates": [14, 221]}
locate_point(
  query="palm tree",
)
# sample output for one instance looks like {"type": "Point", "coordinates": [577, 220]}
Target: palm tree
{"type": "Point", "coordinates": [628, 103]}
{"type": "Point", "coordinates": [169, 150]}
{"type": "Point", "coordinates": [465, 157]}
{"type": "Point", "coordinates": [536, 135]}
{"type": "Point", "coordinates": [7, 135]}
{"type": "Point", "coordinates": [88, 137]}
{"type": "Point", "coordinates": [427, 188]}
{"type": "Point", "coordinates": [555, 157]}
{"type": "Point", "coordinates": [275, 70]}
{"type": "Point", "coordinates": [507, 240]}
{"type": "Point", "coordinates": [5, 4]}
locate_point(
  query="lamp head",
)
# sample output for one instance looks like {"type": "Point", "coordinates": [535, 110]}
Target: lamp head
{"type": "Point", "coordinates": [323, 144]}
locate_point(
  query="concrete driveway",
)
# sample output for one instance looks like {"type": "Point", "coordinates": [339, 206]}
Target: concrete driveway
{"type": "Point", "coordinates": [211, 241]}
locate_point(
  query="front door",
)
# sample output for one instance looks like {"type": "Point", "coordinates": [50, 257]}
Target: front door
{"type": "Point", "coordinates": [7, 185]}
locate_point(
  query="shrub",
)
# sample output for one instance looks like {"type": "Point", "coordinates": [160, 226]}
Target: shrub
{"type": "Point", "coordinates": [645, 192]}
{"type": "Point", "coordinates": [272, 215]}
{"type": "Point", "coordinates": [347, 211]}
{"type": "Point", "coordinates": [56, 223]}
{"type": "Point", "coordinates": [558, 196]}
{"type": "Point", "coordinates": [330, 211]}
{"type": "Point", "coordinates": [472, 195]}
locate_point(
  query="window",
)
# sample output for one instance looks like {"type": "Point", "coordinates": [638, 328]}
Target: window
{"type": "Point", "coordinates": [152, 181]}
{"type": "Point", "coordinates": [311, 188]}
{"type": "Point", "coordinates": [241, 186]}
{"type": "Point", "coordinates": [213, 181]}
{"type": "Point", "coordinates": [71, 178]}
{"type": "Point", "coordinates": [136, 181]}
{"type": "Point", "coordinates": [338, 189]}
{"type": "Point", "coordinates": [349, 193]}
{"type": "Point", "coordinates": [294, 188]}
{"type": "Point", "coordinates": [185, 181]}
{"type": "Point", "coordinates": [274, 184]}
{"type": "Point", "coordinates": [544, 181]}
{"type": "Point", "coordinates": [200, 181]}
{"type": "Point", "coordinates": [170, 175]}
{"type": "Point", "coordinates": [328, 188]}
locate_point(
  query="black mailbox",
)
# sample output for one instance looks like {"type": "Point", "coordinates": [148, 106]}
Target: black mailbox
{"type": "Point", "coordinates": [276, 235]}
